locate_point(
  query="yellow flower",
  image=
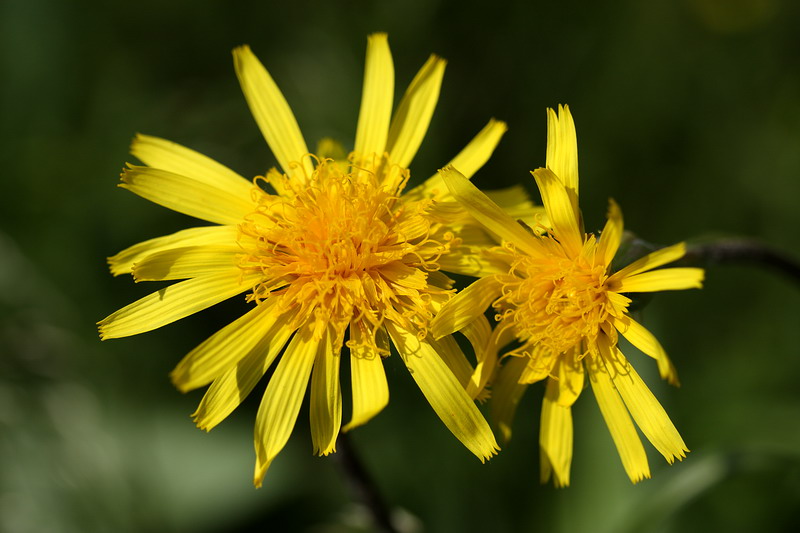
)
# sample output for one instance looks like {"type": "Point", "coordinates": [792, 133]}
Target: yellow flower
{"type": "Point", "coordinates": [562, 303]}
{"type": "Point", "coordinates": [336, 256]}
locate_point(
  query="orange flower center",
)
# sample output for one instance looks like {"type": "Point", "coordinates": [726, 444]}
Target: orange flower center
{"type": "Point", "coordinates": [555, 301]}
{"type": "Point", "coordinates": [344, 247]}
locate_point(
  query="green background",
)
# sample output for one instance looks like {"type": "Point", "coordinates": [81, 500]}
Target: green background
{"type": "Point", "coordinates": [688, 114]}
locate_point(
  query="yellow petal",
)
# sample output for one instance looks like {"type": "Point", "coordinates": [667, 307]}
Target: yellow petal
{"type": "Point", "coordinates": [413, 115]}
{"type": "Point", "coordinates": [629, 445]}
{"type": "Point", "coordinates": [564, 217]}
{"type": "Point", "coordinates": [488, 213]}
{"type": "Point", "coordinates": [368, 381]}
{"type": "Point", "coordinates": [541, 364]}
{"type": "Point", "coordinates": [640, 337]}
{"type": "Point", "coordinates": [611, 237]}
{"type": "Point", "coordinates": [326, 397]}
{"type": "Point", "coordinates": [232, 387]}
{"type": "Point", "coordinates": [123, 262]}
{"type": "Point", "coordinates": [643, 406]}
{"type": "Point", "coordinates": [273, 115]}
{"type": "Point", "coordinates": [570, 379]}
{"type": "Point", "coordinates": [468, 161]}
{"type": "Point", "coordinates": [506, 394]}
{"type": "Point", "coordinates": [479, 334]}
{"type": "Point", "coordinates": [186, 195]}
{"type": "Point", "coordinates": [226, 347]}
{"type": "Point", "coordinates": [452, 355]}
{"type": "Point", "coordinates": [172, 303]}
{"type": "Point", "coordinates": [465, 307]}
{"type": "Point", "coordinates": [651, 261]}
{"type": "Point", "coordinates": [666, 279]}
{"type": "Point", "coordinates": [555, 437]}
{"type": "Point", "coordinates": [172, 157]}
{"type": "Point", "coordinates": [280, 405]}
{"type": "Point", "coordinates": [562, 150]}
{"type": "Point", "coordinates": [445, 394]}
{"type": "Point", "coordinates": [376, 99]}
{"type": "Point", "coordinates": [479, 150]}
{"type": "Point", "coordinates": [517, 203]}
{"type": "Point", "coordinates": [471, 263]}
{"type": "Point", "coordinates": [189, 262]}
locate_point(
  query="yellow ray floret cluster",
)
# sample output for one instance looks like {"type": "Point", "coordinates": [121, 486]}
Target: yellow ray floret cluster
{"type": "Point", "coordinates": [335, 255]}
{"type": "Point", "coordinates": [563, 305]}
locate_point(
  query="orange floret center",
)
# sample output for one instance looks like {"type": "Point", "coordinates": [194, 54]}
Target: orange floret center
{"type": "Point", "coordinates": [344, 247]}
{"type": "Point", "coordinates": [555, 301]}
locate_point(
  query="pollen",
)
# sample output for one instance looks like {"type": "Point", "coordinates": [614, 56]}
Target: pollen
{"type": "Point", "coordinates": [343, 246]}
{"type": "Point", "coordinates": [556, 301]}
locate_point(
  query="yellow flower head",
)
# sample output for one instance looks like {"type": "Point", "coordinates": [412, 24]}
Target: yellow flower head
{"type": "Point", "coordinates": [562, 303]}
{"type": "Point", "coordinates": [336, 255]}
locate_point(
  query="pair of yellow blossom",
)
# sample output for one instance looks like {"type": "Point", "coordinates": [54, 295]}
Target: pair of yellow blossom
{"type": "Point", "coordinates": [332, 253]}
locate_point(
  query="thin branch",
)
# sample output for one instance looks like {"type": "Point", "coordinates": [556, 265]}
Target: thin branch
{"type": "Point", "coordinates": [733, 250]}
{"type": "Point", "coordinates": [362, 485]}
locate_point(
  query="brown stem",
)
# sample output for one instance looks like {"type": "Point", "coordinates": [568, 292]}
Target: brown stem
{"type": "Point", "coordinates": [362, 485]}
{"type": "Point", "coordinates": [733, 250]}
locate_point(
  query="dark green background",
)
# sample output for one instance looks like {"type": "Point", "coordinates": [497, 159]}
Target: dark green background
{"type": "Point", "coordinates": [688, 114]}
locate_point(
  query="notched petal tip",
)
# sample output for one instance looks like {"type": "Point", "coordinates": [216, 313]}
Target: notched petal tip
{"type": "Point", "coordinates": [178, 379]}
{"type": "Point", "coordinates": [200, 422]}
{"type": "Point", "coordinates": [241, 49]}
{"type": "Point", "coordinates": [501, 125]}
{"type": "Point", "coordinates": [490, 453]}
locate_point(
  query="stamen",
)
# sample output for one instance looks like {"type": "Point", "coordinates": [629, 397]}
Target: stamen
{"type": "Point", "coordinates": [331, 244]}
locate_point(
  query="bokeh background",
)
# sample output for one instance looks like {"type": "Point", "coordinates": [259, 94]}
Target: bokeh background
{"type": "Point", "coordinates": [688, 114]}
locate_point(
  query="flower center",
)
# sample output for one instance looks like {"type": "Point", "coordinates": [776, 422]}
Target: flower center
{"type": "Point", "coordinates": [343, 247]}
{"type": "Point", "coordinates": [555, 301]}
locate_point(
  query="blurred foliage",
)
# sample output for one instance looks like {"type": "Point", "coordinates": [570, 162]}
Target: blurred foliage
{"type": "Point", "coordinates": [688, 114]}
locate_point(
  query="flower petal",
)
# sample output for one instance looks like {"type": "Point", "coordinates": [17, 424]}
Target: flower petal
{"type": "Point", "coordinates": [226, 347]}
{"type": "Point", "coordinates": [465, 306]}
{"type": "Point", "coordinates": [172, 303]}
{"type": "Point", "coordinates": [280, 405]}
{"type": "Point", "coordinates": [555, 437]}
{"type": "Point", "coordinates": [487, 213]}
{"type": "Point", "coordinates": [471, 262]}
{"type": "Point", "coordinates": [651, 261]}
{"type": "Point", "coordinates": [507, 391]}
{"type": "Point", "coordinates": [186, 195]}
{"type": "Point", "coordinates": [189, 262]}
{"type": "Point", "coordinates": [666, 279]}
{"type": "Point", "coordinates": [445, 394]}
{"type": "Point", "coordinates": [468, 161]}
{"type": "Point", "coordinates": [450, 352]}
{"type": "Point", "coordinates": [563, 215]}
{"type": "Point", "coordinates": [611, 237]}
{"type": "Point", "coordinates": [413, 115]}
{"type": "Point", "coordinates": [172, 157]}
{"type": "Point", "coordinates": [368, 381]}
{"type": "Point", "coordinates": [640, 337]}
{"type": "Point", "coordinates": [570, 379]}
{"type": "Point", "coordinates": [629, 445]}
{"type": "Point", "coordinates": [234, 385]}
{"type": "Point", "coordinates": [326, 397]}
{"type": "Point", "coordinates": [123, 262]}
{"type": "Point", "coordinates": [643, 406]}
{"type": "Point", "coordinates": [272, 113]}
{"type": "Point", "coordinates": [376, 98]}
{"type": "Point", "coordinates": [562, 150]}
{"type": "Point", "coordinates": [479, 333]}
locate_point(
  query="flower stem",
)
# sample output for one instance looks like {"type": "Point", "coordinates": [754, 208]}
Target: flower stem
{"type": "Point", "coordinates": [737, 250]}
{"type": "Point", "coordinates": [362, 485]}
